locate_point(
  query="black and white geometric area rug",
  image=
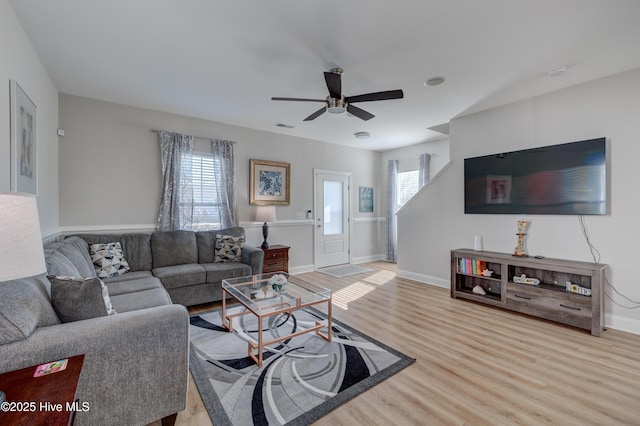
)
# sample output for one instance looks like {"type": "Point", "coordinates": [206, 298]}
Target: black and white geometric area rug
{"type": "Point", "coordinates": [301, 379]}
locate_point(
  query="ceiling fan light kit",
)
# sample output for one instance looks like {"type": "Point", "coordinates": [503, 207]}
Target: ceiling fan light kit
{"type": "Point", "coordinates": [336, 106]}
{"type": "Point", "coordinates": [337, 103]}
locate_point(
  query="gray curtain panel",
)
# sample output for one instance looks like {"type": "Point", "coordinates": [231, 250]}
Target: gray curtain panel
{"type": "Point", "coordinates": [176, 204]}
{"type": "Point", "coordinates": [423, 172]}
{"type": "Point", "coordinates": [392, 203]}
{"type": "Point", "coordinates": [227, 187]}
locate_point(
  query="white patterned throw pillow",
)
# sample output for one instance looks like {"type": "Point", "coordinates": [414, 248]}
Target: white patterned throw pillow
{"type": "Point", "coordinates": [228, 248]}
{"type": "Point", "coordinates": [108, 260]}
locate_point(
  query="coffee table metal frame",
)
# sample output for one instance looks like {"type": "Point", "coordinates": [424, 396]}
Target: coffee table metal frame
{"type": "Point", "coordinates": [273, 303]}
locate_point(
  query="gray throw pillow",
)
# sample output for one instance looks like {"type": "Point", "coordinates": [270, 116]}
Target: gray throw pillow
{"type": "Point", "coordinates": [24, 306]}
{"type": "Point", "coordinates": [228, 248]}
{"type": "Point", "coordinates": [76, 299]}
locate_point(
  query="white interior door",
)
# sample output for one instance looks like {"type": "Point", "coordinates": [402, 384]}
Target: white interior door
{"type": "Point", "coordinates": [332, 219]}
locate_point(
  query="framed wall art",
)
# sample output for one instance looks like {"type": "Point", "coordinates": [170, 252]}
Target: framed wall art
{"type": "Point", "coordinates": [366, 199]}
{"type": "Point", "coordinates": [24, 144]}
{"type": "Point", "coordinates": [269, 183]}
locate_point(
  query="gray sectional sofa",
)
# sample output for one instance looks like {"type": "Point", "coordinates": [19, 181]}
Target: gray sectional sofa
{"type": "Point", "coordinates": [135, 369]}
{"type": "Point", "coordinates": [136, 362]}
{"type": "Point", "coordinates": [183, 261]}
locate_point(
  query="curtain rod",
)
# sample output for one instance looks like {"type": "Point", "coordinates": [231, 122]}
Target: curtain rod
{"type": "Point", "coordinates": [414, 158]}
{"type": "Point", "coordinates": [195, 137]}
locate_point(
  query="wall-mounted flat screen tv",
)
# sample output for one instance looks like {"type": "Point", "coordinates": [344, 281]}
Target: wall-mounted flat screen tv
{"type": "Point", "coordinates": [566, 179]}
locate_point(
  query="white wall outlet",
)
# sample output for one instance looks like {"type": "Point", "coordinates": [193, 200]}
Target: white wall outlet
{"type": "Point", "coordinates": [300, 215]}
{"type": "Point", "coordinates": [60, 132]}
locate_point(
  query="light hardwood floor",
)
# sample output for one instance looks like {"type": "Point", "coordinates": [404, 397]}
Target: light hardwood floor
{"type": "Point", "coordinates": [474, 364]}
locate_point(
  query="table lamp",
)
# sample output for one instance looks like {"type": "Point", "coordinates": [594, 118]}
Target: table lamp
{"type": "Point", "coordinates": [21, 251]}
{"type": "Point", "coordinates": [265, 214]}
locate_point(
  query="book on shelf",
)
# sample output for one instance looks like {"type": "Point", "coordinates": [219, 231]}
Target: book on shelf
{"type": "Point", "coordinates": [462, 265]}
{"type": "Point", "coordinates": [482, 265]}
{"type": "Point", "coordinates": [470, 266]}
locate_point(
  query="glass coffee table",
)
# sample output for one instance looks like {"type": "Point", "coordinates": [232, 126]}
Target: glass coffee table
{"type": "Point", "coordinates": [260, 299]}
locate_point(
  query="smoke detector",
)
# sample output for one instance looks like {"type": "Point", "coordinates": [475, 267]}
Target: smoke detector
{"type": "Point", "coordinates": [434, 81]}
{"type": "Point", "coordinates": [362, 135]}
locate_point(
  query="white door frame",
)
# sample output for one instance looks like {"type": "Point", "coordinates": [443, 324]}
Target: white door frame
{"type": "Point", "coordinates": [316, 208]}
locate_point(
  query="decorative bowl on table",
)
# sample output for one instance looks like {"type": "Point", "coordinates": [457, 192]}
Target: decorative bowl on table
{"type": "Point", "coordinates": [278, 282]}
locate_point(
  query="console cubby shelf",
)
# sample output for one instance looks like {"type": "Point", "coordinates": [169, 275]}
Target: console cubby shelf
{"type": "Point", "coordinates": [550, 299]}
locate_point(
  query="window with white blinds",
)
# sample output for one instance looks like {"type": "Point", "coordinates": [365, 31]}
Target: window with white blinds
{"type": "Point", "coordinates": [206, 181]}
{"type": "Point", "coordinates": [407, 186]}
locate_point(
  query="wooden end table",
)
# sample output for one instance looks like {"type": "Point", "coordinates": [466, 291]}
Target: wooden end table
{"type": "Point", "coordinates": [45, 400]}
{"type": "Point", "coordinates": [276, 258]}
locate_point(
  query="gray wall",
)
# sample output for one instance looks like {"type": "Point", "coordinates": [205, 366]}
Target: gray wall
{"type": "Point", "coordinates": [19, 61]}
{"type": "Point", "coordinates": [435, 223]}
{"type": "Point", "coordinates": [110, 174]}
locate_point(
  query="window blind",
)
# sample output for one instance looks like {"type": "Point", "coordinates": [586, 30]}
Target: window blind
{"type": "Point", "coordinates": [206, 181]}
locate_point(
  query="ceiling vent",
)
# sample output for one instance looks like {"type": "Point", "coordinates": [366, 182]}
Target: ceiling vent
{"type": "Point", "coordinates": [557, 72]}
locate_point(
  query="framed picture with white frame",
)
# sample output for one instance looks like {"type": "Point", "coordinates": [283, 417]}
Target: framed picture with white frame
{"type": "Point", "coordinates": [24, 143]}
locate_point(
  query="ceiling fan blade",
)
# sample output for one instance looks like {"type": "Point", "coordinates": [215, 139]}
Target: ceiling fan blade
{"type": "Point", "coordinates": [359, 112]}
{"type": "Point", "coordinates": [298, 99]}
{"type": "Point", "coordinates": [334, 84]}
{"type": "Point", "coordinates": [316, 114]}
{"type": "Point", "coordinates": [377, 96]}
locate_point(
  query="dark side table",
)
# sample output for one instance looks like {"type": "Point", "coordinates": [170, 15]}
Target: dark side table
{"type": "Point", "coordinates": [276, 258]}
{"type": "Point", "coordinates": [45, 400]}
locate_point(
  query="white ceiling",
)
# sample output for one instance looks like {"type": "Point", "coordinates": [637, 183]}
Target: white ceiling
{"type": "Point", "coordinates": [224, 60]}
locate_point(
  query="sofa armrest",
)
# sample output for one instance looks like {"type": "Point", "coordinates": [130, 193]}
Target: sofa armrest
{"type": "Point", "coordinates": [135, 369]}
{"type": "Point", "coordinates": [253, 257]}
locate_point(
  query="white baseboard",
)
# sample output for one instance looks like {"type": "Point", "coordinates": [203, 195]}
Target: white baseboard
{"type": "Point", "coordinates": [301, 269]}
{"type": "Point", "coordinates": [617, 322]}
{"type": "Point", "coordinates": [365, 259]}
{"type": "Point", "coordinates": [423, 278]}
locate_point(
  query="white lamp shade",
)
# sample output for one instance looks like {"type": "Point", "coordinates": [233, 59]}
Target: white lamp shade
{"type": "Point", "coordinates": [266, 214]}
{"type": "Point", "coordinates": [21, 251]}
